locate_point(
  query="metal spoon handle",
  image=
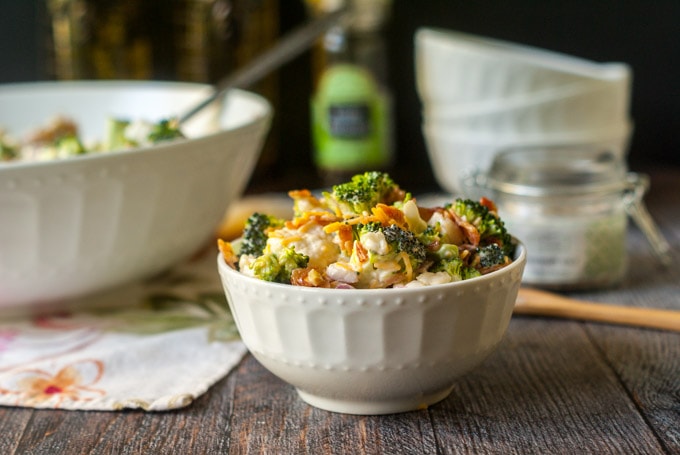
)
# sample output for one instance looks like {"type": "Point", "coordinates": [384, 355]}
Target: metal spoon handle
{"type": "Point", "coordinates": [286, 49]}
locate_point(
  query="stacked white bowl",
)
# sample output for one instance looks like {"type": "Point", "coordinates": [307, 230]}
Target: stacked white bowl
{"type": "Point", "coordinates": [480, 96]}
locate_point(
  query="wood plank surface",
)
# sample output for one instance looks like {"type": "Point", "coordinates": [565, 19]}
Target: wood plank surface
{"type": "Point", "coordinates": [553, 386]}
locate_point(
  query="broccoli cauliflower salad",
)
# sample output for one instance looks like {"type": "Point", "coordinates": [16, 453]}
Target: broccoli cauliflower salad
{"type": "Point", "coordinates": [60, 138]}
{"type": "Point", "coordinates": [369, 233]}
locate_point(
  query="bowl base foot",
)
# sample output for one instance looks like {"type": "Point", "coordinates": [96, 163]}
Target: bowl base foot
{"type": "Point", "coordinates": [391, 406]}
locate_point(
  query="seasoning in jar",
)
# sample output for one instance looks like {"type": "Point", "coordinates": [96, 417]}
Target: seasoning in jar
{"type": "Point", "coordinates": [569, 205]}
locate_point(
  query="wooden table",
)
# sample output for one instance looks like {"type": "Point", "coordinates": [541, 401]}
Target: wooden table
{"type": "Point", "coordinates": [553, 386]}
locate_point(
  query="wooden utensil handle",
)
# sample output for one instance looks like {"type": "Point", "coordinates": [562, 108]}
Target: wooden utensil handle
{"type": "Point", "coordinates": [541, 303]}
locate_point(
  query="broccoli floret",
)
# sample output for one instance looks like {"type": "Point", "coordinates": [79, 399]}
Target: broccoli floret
{"type": "Point", "coordinates": [69, 145]}
{"type": "Point", "coordinates": [115, 135]}
{"type": "Point", "coordinates": [371, 226]}
{"type": "Point", "coordinates": [444, 252]}
{"type": "Point", "coordinates": [403, 240]}
{"type": "Point", "coordinates": [387, 244]}
{"type": "Point", "coordinates": [255, 233]}
{"type": "Point", "coordinates": [456, 268]}
{"type": "Point", "coordinates": [165, 130]}
{"type": "Point", "coordinates": [119, 134]}
{"type": "Point", "coordinates": [490, 255]}
{"type": "Point", "coordinates": [363, 192]}
{"type": "Point", "coordinates": [397, 238]}
{"type": "Point", "coordinates": [7, 151]}
{"type": "Point", "coordinates": [278, 267]}
{"type": "Point", "coordinates": [491, 228]}
{"type": "Point", "coordinates": [430, 236]}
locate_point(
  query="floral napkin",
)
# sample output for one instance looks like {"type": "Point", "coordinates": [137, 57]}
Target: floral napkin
{"type": "Point", "coordinates": [155, 345]}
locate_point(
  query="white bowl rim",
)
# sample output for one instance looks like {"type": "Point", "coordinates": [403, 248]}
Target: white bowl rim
{"type": "Point", "coordinates": [518, 261]}
{"type": "Point", "coordinates": [541, 58]}
{"type": "Point", "coordinates": [489, 138]}
{"type": "Point", "coordinates": [267, 114]}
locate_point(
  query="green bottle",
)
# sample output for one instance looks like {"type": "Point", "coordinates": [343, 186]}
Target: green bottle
{"type": "Point", "coordinates": [351, 112]}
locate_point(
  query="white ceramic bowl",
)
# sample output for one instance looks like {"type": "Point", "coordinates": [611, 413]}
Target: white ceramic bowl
{"type": "Point", "coordinates": [578, 111]}
{"type": "Point", "coordinates": [454, 155]}
{"type": "Point", "coordinates": [458, 67]}
{"type": "Point", "coordinates": [612, 93]}
{"type": "Point", "coordinates": [84, 224]}
{"type": "Point", "coordinates": [373, 351]}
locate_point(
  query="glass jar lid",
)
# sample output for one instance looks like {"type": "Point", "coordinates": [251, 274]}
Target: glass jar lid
{"type": "Point", "coordinates": [556, 171]}
{"type": "Point", "coordinates": [571, 171]}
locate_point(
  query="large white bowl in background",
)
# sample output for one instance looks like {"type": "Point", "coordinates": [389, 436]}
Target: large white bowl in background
{"type": "Point", "coordinates": [373, 351]}
{"type": "Point", "coordinates": [85, 224]}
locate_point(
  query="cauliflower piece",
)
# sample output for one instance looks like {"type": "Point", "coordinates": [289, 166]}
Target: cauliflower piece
{"type": "Point", "coordinates": [342, 271]}
{"type": "Point", "coordinates": [375, 242]}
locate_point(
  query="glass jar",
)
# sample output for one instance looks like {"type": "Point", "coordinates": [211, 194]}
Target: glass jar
{"type": "Point", "coordinates": [569, 206]}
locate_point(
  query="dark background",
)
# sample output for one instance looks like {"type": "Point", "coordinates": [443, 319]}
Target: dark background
{"type": "Point", "coordinates": [643, 33]}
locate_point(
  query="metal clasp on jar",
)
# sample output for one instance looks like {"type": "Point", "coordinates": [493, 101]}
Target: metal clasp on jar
{"type": "Point", "coordinates": [636, 187]}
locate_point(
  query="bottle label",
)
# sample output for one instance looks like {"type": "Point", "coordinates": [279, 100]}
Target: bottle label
{"type": "Point", "coordinates": [349, 121]}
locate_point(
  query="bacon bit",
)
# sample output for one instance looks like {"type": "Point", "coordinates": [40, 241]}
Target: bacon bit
{"type": "Point", "coordinates": [227, 252]}
{"type": "Point", "coordinates": [468, 229]}
{"type": "Point", "coordinates": [493, 268]}
{"type": "Point", "coordinates": [397, 194]}
{"type": "Point", "coordinates": [427, 212]}
{"type": "Point", "coordinates": [309, 277]}
{"type": "Point", "coordinates": [457, 237]}
{"type": "Point", "coordinates": [471, 232]}
{"type": "Point", "coordinates": [489, 204]}
{"type": "Point", "coordinates": [465, 251]}
{"type": "Point", "coordinates": [58, 127]}
{"type": "Point", "coordinates": [346, 238]}
{"type": "Point", "coordinates": [434, 246]}
{"type": "Point", "coordinates": [362, 253]}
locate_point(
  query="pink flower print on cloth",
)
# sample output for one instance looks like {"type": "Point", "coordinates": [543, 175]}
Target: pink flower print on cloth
{"type": "Point", "coordinates": [6, 338]}
{"type": "Point", "coordinates": [40, 388]}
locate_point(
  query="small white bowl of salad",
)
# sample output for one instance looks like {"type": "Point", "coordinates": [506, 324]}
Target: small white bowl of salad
{"type": "Point", "coordinates": [99, 186]}
{"type": "Point", "coordinates": [368, 303]}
